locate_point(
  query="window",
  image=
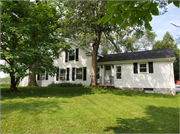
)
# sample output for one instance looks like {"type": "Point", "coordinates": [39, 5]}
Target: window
{"type": "Point", "coordinates": [43, 75]}
{"type": "Point", "coordinates": [62, 74]}
{"type": "Point", "coordinates": [78, 73]}
{"type": "Point", "coordinates": [118, 72]}
{"type": "Point", "coordinates": [143, 67]}
{"type": "Point", "coordinates": [71, 54]}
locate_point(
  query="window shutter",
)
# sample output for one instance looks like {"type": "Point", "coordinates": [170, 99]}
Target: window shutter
{"type": "Point", "coordinates": [46, 76]}
{"type": "Point", "coordinates": [77, 54]}
{"type": "Point", "coordinates": [66, 56]}
{"type": "Point", "coordinates": [73, 74]}
{"type": "Point", "coordinates": [67, 77]}
{"type": "Point", "coordinates": [150, 67]}
{"type": "Point", "coordinates": [38, 76]}
{"type": "Point", "coordinates": [57, 74]}
{"type": "Point", "coordinates": [84, 73]}
{"type": "Point", "coordinates": [135, 68]}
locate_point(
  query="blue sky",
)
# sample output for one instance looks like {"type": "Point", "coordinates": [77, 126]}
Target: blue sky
{"type": "Point", "coordinates": [160, 24]}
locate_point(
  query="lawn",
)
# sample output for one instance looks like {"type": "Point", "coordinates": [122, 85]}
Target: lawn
{"type": "Point", "coordinates": [87, 110]}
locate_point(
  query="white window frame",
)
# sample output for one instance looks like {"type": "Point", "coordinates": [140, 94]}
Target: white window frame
{"type": "Point", "coordinates": [146, 67]}
{"type": "Point", "coordinates": [120, 72]}
{"type": "Point", "coordinates": [42, 76]}
{"type": "Point", "coordinates": [74, 54]}
{"type": "Point", "coordinates": [76, 73]}
{"type": "Point", "coordinates": [60, 74]}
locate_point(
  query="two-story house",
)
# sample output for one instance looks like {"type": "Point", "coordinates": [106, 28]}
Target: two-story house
{"type": "Point", "coordinates": [143, 71]}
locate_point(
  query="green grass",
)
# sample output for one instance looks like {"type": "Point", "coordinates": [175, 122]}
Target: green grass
{"type": "Point", "coordinates": [87, 110]}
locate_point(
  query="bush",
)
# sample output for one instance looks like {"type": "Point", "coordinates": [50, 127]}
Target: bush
{"type": "Point", "coordinates": [65, 85]}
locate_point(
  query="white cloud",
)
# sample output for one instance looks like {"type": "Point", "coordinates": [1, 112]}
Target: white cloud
{"type": "Point", "coordinates": [2, 74]}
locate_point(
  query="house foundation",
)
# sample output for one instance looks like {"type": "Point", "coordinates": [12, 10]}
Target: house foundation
{"type": "Point", "coordinates": [170, 91]}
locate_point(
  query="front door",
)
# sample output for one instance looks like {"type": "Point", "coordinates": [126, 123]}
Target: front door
{"type": "Point", "coordinates": [107, 75]}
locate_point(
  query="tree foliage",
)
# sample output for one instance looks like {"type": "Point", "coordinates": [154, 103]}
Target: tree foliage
{"type": "Point", "coordinates": [129, 40]}
{"type": "Point", "coordinates": [28, 36]}
{"type": "Point", "coordinates": [128, 13]}
{"type": "Point", "coordinates": [147, 40]}
{"type": "Point", "coordinates": [168, 42]}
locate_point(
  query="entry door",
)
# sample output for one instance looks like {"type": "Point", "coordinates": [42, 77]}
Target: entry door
{"type": "Point", "coordinates": [107, 75]}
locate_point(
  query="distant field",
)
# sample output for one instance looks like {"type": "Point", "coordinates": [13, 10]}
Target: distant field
{"type": "Point", "coordinates": [87, 110]}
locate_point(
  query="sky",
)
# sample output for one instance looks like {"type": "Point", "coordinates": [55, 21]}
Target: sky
{"type": "Point", "coordinates": [160, 24]}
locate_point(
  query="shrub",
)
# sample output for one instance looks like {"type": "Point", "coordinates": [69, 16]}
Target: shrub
{"type": "Point", "coordinates": [65, 85]}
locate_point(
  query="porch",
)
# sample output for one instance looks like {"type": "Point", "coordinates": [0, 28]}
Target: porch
{"type": "Point", "coordinates": [109, 81]}
{"type": "Point", "coordinates": [105, 76]}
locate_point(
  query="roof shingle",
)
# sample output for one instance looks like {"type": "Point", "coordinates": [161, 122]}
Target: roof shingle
{"type": "Point", "coordinates": [141, 55]}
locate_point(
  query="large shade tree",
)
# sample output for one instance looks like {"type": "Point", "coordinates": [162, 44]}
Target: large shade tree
{"type": "Point", "coordinates": [82, 17]}
{"type": "Point", "coordinates": [28, 36]}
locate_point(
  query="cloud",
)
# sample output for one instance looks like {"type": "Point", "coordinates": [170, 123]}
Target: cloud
{"type": "Point", "coordinates": [2, 74]}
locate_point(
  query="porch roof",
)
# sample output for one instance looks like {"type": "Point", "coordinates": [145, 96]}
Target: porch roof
{"type": "Point", "coordinates": [151, 54]}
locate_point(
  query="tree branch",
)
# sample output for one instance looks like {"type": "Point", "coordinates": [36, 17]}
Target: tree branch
{"type": "Point", "coordinates": [112, 42]}
{"type": "Point", "coordinates": [174, 25]}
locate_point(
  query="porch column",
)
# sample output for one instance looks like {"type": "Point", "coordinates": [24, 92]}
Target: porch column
{"type": "Point", "coordinates": [112, 70]}
{"type": "Point", "coordinates": [102, 74]}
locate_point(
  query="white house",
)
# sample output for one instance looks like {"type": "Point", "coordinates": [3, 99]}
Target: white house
{"type": "Point", "coordinates": [74, 67]}
{"type": "Point", "coordinates": [149, 71]}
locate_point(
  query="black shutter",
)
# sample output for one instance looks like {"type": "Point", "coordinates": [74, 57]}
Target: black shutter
{"type": "Point", "coordinates": [57, 74]}
{"type": "Point", "coordinates": [46, 76]}
{"type": "Point", "coordinates": [84, 73]}
{"type": "Point", "coordinates": [66, 56]}
{"type": "Point", "coordinates": [67, 78]}
{"type": "Point", "coordinates": [77, 54]}
{"type": "Point", "coordinates": [38, 76]}
{"type": "Point", "coordinates": [150, 67]}
{"type": "Point", "coordinates": [135, 68]}
{"type": "Point", "coordinates": [73, 74]}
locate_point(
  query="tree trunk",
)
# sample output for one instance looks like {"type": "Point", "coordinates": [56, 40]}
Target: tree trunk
{"type": "Point", "coordinates": [94, 64]}
{"type": "Point", "coordinates": [13, 87]}
{"type": "Point", "coordinates": [32, 78]}
{"type": "Point", "coordinates": [94, 56]}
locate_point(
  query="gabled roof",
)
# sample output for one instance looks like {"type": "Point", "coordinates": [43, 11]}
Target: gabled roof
{"type": "Point", "coordinates": [141, 55]}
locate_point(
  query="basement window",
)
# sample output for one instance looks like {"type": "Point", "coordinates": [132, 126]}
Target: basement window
{"type": "Point", "coordinates": [148, 90]}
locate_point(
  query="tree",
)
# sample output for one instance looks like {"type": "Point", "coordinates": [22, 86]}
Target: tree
{"type": "Point", "coordinates": [81, 19]}
{"type": "Point", "coordinates": [28, 36]}
{"type": "Point", "coordinates": [125, 13]}
{"type": "Point", "coordinates": [147, 40]}
{"type": "Point", "coordinates": [168, 42]}
{"type": "Point", "coordinates": [32, 75]}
